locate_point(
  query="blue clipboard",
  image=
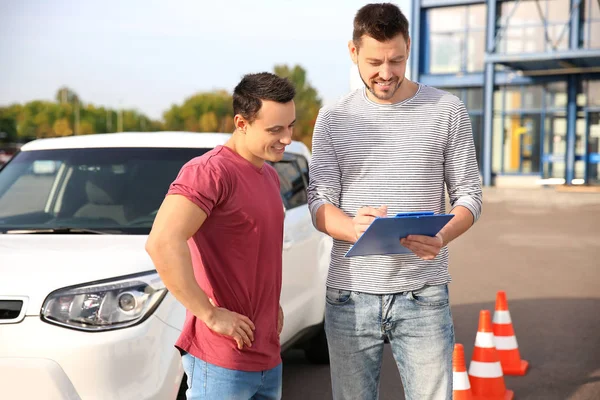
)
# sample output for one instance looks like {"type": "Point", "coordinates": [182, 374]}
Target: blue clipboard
{"type": "Point", "coordinates": [384, 234]}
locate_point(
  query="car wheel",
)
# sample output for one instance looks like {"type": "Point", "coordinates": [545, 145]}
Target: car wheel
{"type": "Point", "coordinates": [316, 350]}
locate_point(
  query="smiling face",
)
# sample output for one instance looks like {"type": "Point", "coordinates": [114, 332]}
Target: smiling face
{"type": "Point", "coordinates": [382, 66]}
{"type": "Point", "coordinates": [271, 131]}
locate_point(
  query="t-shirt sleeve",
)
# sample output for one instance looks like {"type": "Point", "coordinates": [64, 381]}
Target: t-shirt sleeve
{"type": "Point", "coordinates": [203, 185]}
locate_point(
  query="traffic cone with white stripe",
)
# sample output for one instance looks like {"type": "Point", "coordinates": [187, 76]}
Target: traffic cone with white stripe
{"type": "Point", "coordinates": [505, 339]}
{"type": "Point", "coordinates": [485, 371]}
{"type": "Point", "coordinates": [461, 389]}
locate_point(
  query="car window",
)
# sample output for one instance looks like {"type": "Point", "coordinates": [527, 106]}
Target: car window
{"type": "Point", "coordinates": [30, 187]}
{"type": "Point", "coordinates": [292, 186]}
{"type": "Point", "coordinates": [303, 164]}
{"type": "Point", "coordinates": [100, 188]}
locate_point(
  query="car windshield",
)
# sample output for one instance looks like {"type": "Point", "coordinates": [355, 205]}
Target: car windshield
{"type": "Point", "coordinates": [111, 190]}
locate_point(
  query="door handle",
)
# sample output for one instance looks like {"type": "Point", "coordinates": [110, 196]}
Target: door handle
{"type": "Point", "coordinates": [287, 244]}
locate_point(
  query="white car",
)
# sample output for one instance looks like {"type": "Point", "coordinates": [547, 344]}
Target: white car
{"type": "Point", "coordinates": [83, 313]}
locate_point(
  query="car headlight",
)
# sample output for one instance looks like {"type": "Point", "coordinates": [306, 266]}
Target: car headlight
{"type": "Point", "coordinates": [107, 305]}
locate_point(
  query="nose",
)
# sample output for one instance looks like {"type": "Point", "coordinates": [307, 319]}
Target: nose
{"type": "Point", "coordinates": [385, 72]}
{"type": "Point", "coordinates": [287, 138]}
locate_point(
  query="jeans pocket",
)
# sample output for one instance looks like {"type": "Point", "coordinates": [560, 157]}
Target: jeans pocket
{"type": "Point", "coordinates": [188, 361]}
{"type": "Point", "coordinates": [337, 297]}
{"type": "Point", "coordinates": [431, 296]}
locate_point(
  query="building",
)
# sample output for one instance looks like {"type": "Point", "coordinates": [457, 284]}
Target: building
{"type": "Point", "coordinates": [529, 74]}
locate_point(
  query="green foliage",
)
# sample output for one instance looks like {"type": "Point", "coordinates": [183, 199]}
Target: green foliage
{"type": "Point", "coordinates": [70, 116]}
{"type": "Point", "coordinates": [307, 102]}
{"type": "Point", "coordinates": [8, 130]}
{"type": "Point", "coordinates": [202, 112]}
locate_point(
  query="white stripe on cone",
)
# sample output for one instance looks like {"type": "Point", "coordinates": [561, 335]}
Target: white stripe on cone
{"type": "Point", "coordinates": [506, 342]}
{"type": "Point", "coordinates": [485, 369]}
{"type": "Point", "coordinates": [484, 340]}
{"type": "Point", "coordinates": [460, 381]}
{"type": "Point", "coordinates": [502, 317]}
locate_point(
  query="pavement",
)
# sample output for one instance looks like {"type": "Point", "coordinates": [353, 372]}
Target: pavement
{"type": "Point", "coordinates": [542, 247]}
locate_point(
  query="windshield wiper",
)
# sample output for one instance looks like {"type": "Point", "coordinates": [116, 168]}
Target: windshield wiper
{"type": "Point", "coordinates": [65, 230]}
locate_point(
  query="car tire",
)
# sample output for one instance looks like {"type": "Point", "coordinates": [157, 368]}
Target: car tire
{"type": "Point", "coordinates": [316, 350]}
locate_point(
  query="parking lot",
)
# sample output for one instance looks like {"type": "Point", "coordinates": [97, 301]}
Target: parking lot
{"type": "Point", "coordinates": [541, 247]}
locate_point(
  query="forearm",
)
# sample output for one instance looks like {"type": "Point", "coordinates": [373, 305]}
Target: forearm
{"type": "Point", "coordinates": [335, 223]}
{"type": "Point", "coordinates": [462, 221]}
{"type": "Point", "coordinates": [173, 262]}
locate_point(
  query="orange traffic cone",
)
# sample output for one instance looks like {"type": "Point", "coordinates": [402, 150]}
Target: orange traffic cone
{"type": "Point", "coordinates": [461, 389]}
{"type": "Point", "coordinates": [485, 371]}
{"type": "Point", "coordinates": [505, 340]}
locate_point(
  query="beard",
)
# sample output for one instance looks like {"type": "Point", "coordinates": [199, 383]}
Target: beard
{"type": "Point", "coordinates": [381, 96]}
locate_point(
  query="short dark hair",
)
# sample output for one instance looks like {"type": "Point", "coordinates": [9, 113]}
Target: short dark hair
{"type": "Point", "coordinates": [381, 21]}
{"type": "Point", "coordinates": [249, 94]}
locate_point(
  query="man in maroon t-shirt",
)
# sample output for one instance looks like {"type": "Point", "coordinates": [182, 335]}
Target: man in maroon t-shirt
{"type": "Point", "coordinates": [217, 245]}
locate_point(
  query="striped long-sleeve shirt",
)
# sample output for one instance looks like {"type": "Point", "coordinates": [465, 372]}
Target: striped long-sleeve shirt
{"type": "Point", "coordinates": [399, 155]}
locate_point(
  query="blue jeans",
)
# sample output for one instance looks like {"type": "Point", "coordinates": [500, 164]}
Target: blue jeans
{"type": "Point", "coordinates": [419, 327]}
{"type": "Point", "coordinates": [207, 381]}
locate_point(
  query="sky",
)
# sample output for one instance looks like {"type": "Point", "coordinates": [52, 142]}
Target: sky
{"type": "Point", "coordinates": [149, 54]}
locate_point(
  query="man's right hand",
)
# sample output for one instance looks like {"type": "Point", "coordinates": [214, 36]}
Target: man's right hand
{"type": "Point", "coordinates": [365, 216]}
{"type": "Point", "coordinates": [234, 325]}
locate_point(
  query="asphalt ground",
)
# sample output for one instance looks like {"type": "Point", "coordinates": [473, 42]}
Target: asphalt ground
{"type": "Point", "coordinates": [542, 248]}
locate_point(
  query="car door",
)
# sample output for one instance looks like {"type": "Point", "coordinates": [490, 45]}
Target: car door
{"type": "Point", "coordinates": [300, 250]}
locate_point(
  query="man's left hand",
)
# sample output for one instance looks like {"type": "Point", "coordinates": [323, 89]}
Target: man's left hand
{"type": "Point", "coordinates": [425, 247]}
{"type": "Point", "coordinates": [280, 321]}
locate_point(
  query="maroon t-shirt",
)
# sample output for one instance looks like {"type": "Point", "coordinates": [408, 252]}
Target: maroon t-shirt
{"type": "Point", "coordinates": [236, 255]}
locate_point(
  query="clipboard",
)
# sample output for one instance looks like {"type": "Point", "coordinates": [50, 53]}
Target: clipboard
{"type": "Point", "coordinates": [383, 235]}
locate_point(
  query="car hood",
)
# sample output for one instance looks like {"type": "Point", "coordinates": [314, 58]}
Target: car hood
{"type": "Point", "coordinates": [37, 264]}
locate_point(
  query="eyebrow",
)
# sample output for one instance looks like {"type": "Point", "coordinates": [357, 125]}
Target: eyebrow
{"type": "Point", "coordinates": [275, 127]}
{"type": "Point", "coordinates": [398, 58]}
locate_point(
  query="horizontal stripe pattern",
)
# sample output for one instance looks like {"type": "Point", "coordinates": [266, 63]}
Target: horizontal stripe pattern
{"type": "Point", "coordinates": [484, 340]}
{"type": "Point", "coordinates": [460, 381]}
{"type": "Point", "coordinates": [485, 369]}
{"type": "Point", "coordinates": [402, 155]}
{"type": "Point", "coordinates": [506, 342]}
{"type": "Point", "coordinates": [502, 317]}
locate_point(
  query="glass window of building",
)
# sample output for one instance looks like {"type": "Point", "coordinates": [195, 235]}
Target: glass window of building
{"type": "Point", "coordinates": [530, 129]}
{"type": "Point", "coordinates": [591, 102]}
{"type": "Point", "coordinates": [591, 24]}
{"type": "Point", "coordinates": [534, 26]}
{"type": "Point", "coordinates": [556, 95]}
{"type": "Point", "coordinates": [456, 39]}
{"type": "Point", "coordinates": [591, 94]}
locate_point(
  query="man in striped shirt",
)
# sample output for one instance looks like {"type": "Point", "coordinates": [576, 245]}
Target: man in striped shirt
{"type": "Point", "coordinates": [392, 146]}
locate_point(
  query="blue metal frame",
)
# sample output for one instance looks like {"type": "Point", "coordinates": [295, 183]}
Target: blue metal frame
{"type": "Point", "coordinates": [488, 95]}
{"type": "Point", "coordinates": [571, 126]}
{"type": "Point", "coordinates": [416, 34]}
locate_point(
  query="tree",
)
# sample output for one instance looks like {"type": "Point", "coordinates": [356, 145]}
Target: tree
{"type": "Point", "coordinates": [8, 130]}
{"type": "Point", "coordinates": [202, 112]}
{"type": "Point", "coordinates": [208, 122]}
{"type": "Point", "coordinates": [86, 128]}
{"type": "Point", "coordinates": [307, 102]}
{"type": "Point", "coordinates": [62, 127]}
{"type": "Point", "coordinates": [64, 95]}
{"type": "Point", "coordinates": [68, 116]}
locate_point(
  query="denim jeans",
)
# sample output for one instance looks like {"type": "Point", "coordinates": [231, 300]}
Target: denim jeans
{"type": "Point", "coordinates": [207, 381]}
{"type": "Point", "coordinates": [419, 327]}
